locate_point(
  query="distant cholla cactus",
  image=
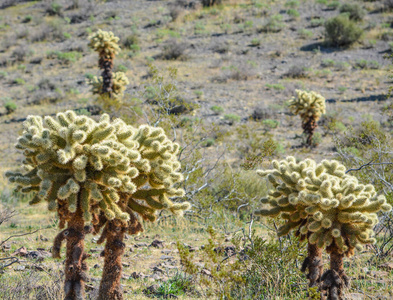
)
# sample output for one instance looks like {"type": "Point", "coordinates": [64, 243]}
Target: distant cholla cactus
{"type": "Point", "coordinates": [120, 81]}
{"type": "Point", "coordinates": [310, 107]}
{"type": "Point", "coordinates": [96, 172]}
{"type": "Point", "coordinates": [327, 207]}
{"type": "Point", "coordinates": [106, 44]}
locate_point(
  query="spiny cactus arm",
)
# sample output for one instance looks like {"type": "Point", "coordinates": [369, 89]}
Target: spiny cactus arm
{"type": "Point", "coordinates": [104, 42]}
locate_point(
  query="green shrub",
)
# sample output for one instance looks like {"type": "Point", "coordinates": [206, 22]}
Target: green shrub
{"type": "Point", "coordinates": [217, 109]}
{"type": "Point", "coordinates": [354, 11]}
{"type": "Point", "coordinates": [232, 118]}
{"type": "Point", "coordinates": [341, 31]}
{"type": "Point", "coordinates": [333, 5]}
{"type": "Point", "coordinates": [293, 13]}
{"type": "Point", "coordinates": [10, 107]}
{"type": "Point", "coordinates": [255, 42]}
{"type": "Point", "coordinates": [305, 33]}
{"type": "Point", "coordinates": [274, 24]}
{"type": "Point", "coordinates": [276, 86]}
{"type": "Point", "coordinates": [19, 81]}
{"type": "Point", "coordinates": [271, 123]}
{"type": "Point", "coordinates": [316, 22]}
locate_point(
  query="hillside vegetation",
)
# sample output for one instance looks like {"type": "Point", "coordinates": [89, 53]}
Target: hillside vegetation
{"type": "Point", "coordinates": [228, 81]}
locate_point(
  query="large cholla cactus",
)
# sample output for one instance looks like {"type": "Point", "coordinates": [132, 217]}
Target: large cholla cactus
{"type": "Point", "coordinates": [106, 44]}
{"type": "Point", "coordinates": [326, 206]}
{"type": "Point", "coordinates": [310, 107]}
{"type": "Point", "coordinates": [100, 173]}
{"type": "Point", "coordinates": [120, 82]}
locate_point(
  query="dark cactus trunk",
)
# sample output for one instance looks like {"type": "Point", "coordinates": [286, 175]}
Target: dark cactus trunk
{"type": "Point", "coordinates": [314, 265]}
{"type": "Point", "coordinates": [75, 265]}
{"type": "Point", "coordinates": [334, 280]}
{"type": "Point", "coordinates": [309, 124]}
{"type": "Point", "coordinates": [106, 65]}
{"type": "Point", "coordinates": [114, 233]}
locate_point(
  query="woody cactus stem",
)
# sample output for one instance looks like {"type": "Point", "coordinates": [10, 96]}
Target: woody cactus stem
{"type": "Point", "coordinates": [309, 125]}
{"type": "Point", "coordinates": [313, 263]}
{"type": "Point", "coordinates": [75, 265]}
{"type": "Point", "coordinates": [114, 233]}
{"type": "Point", "coordinates": [334, 281]}
{"type": "Point", "coordinates": [106, 65]}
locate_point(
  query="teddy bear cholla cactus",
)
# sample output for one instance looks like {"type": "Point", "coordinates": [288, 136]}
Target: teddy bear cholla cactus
{"type": "Point", "coordinates": [100, 173]}
{"type": "Point", "coordinates": [120, 82]}
{"type": "Point", "coordinates": [106, 44]}
{"type": "Point", "coordinates": [326, 206]}
{"type": "Point", "coordinates": [310, 107]}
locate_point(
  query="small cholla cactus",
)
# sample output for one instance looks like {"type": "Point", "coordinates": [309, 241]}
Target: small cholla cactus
{"type": "Point", "coordinates": [101, 173]}
{"type": "Point", "coordinates": [120, 81]}
{"type": "Point", "coordinates": [310, 107]}
{"type": "Point", "coordinates": [106, 44]}
{"type": "Point", "coordinates": [326, 206]}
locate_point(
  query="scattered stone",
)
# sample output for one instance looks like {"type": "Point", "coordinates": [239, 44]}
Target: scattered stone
{"type": "Point", "coordinates": [206, 272]}
{"type": "Point", "coordinates": [151, 289]}
{"type": "Point", "coordinates": [20, 268]}
{"type": "Point", "coordinates": [136, 275]}
{"type": "Point", "coordinates": [96, 266]}
{"type": "Point", "coordinates": [166, 251]}
{"type": "Point", "coordinates": [357, 296]}
{"type": "Point", "coordinates": [126, 265]}
{"type": "Point", "coordinates": [140, 245]}
{"type": "Point", "coordinates": [98, 249]}
{"type": "Point", "coordinates": [166, 257]}
{"type": "Point", "coordinates": [22, 251]}
{"type": "Point", "coordinates": [42, 238]}
{"type": "Point", "coordinates": [157, 270]}
{"type": "Point", "coordinates": [157, 244]}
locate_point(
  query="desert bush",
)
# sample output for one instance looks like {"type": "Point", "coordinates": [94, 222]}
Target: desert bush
{"type": "Point", "coordinates": [296, 71]}
{"type": "Point", "coordinates": [388, 4]}
{"type": "Point", "coordinates": [208, 3]}
{"type": "Point", "coordinates": [232, 118]}
{"type": "Point", "coordinates": [341, 31]}
{"type": "Point", "coordinates": [20, 53]}
{"type": "Point", "coordinates": [354, 11]}
{"type": "Point", "coordinates": [247, 268]}
{"type": "Point", "coordinates": [174, 50]}
{"type": "Point", "coordinates": [274, 24]}
{"type": "Point", "coordinates": [54, 9]}
{"type": "Point", "coordinates": [10, 107]}
{"type": "Point", "coordinates": [217, 110]}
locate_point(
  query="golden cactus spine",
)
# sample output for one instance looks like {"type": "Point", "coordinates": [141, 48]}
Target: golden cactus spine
{"type": "Point", "coordinates": [310, 107]}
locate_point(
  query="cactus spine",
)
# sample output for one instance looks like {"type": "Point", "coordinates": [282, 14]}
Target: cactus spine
{"type": "Point", "coordinates": [326, 206]}
{"type": "Point", "coordinates": [108, 84]}
{"type": "Point", "coordinates": [95, 173]}
{"type": "Point", "coordinates": [310, 107]}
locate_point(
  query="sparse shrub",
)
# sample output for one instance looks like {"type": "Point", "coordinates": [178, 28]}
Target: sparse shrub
{"type": "Point", "coordinates": [271, 123]}
{"type": "Point", "coordinates": [275, 86]}
{"type": "Point", "coordinates": [18, 81]}
{"type": "Point", "coordinates": [310, 107]}
{"type": "Point", "coordinates": [260, 113]}
{"type": "Point", "coordinates": [316, 22]}
{"type": "Point", "coordinates": [341, 31]}
{"type": "Point", "coordinates": [27, 19]}
{"type": "Point", "coordinates": [274, 24]}
{"type": "Point", "coordinates": [20, 53]}
{"type": "Point", "coordinates": [293, 13]}
{"type": "Point", "coordinates": [10, 107]}
{"type": "Point", "coordinates": [296, 71]}
{"type": "Point", "coordinates": [217, 110]}
{"type": "Point", "coordinates": [354, 11]}
{"type": "Point", "coordinates": [367, 64]}
{"type": "Point", "coordinates": [208, 3]}
{"type": "Point", "coordinates": [65, 57]}
{"type": "Point", "coordinates": [388, 4]}
{"type": "Point", "coordinates": [54, 9]}
{"type": "Point", "coordinates": [328, 208]}
{"type": "Point", "coordinates": [305, 33]}
{"type": "Point", "coordinates": [333, 5]}
{"type": "Point", "coordinates": [131, 42]}
{"type": "Point", "coordinates": [255, 42]}
{"type": "Point", "coordinates": [231, 118]}
{"type": "Point", "coordinates": [174, 50]}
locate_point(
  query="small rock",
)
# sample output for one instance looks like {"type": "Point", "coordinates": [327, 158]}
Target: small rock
{"type": "Point", "coordinates": [206, 272]}
{"type": "Point", "coordinates": [140, 245]}
{"type": "Point", "coordinates": [136, 275]}
{"type": "Point", "coordinates": [96, 266]}
{"type": "Point", "coordinates": [22, 251]}
{"type": "Point", "coordinates": [357, 296]}
{"type": "Point", "coordinates": [20, 268]}
{"type": "Point", "coordinates": [151, 289]}
{"type": "Point", "coordinates": [126, 265]}
{"type": "Point", "coordinates": [157, 244]}
{"type": "Point", "coordinates": [166, 251]}
{"type": "Point", "coordinates": [42, 238]}
{"type": "Point", "coordinates": [166, 257]}
{"type": "Point", "coordinates": [98, 249]}
{"type": "Point", "coordinates": [157, 270]}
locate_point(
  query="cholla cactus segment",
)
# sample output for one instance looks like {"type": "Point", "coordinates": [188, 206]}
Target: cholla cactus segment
{"type": "Point", "coordinates": [104, 42]}
{"type": "Point", "coordinates": [323, 203]}
{"type": "Point", "coordinates": [119, 84]}
{"type": "Point", "coordinates": [308, 105]}
{"type": "Point", "coordinates": [74, 160]}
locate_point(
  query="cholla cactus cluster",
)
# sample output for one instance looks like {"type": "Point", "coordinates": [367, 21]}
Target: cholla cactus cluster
{"type": "Point", "coordinates": [323, 203]}
{"type": "Point", "coordinates": [73, 157]}
{"type": "Point", "coordinates": [105, 43]}
{"type": "Point", "coordinates": [108, 84]}
{"type": "Point", "coordinates": [119, 83]}
{"type": "Point", "coordinates": [310, 107]}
